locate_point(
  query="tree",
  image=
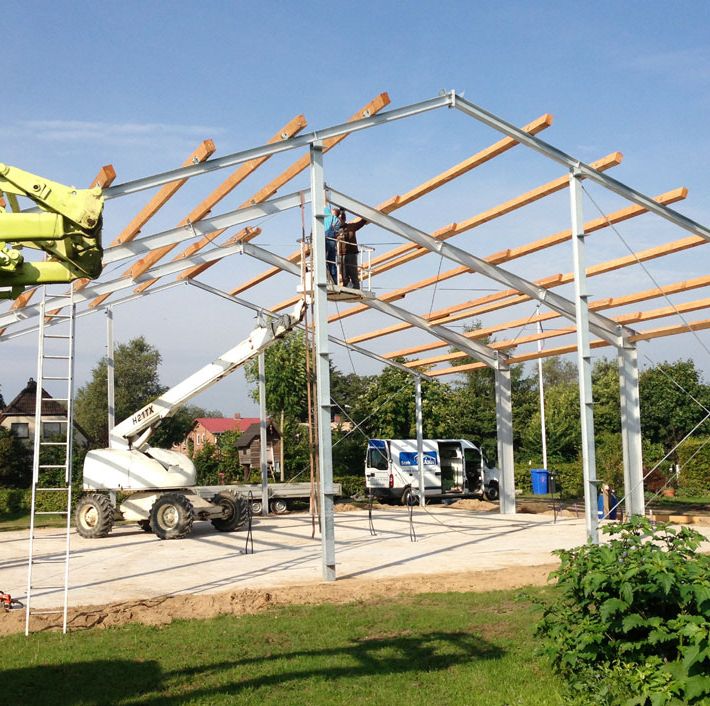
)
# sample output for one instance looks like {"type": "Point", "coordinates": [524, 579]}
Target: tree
{"type": "Point", "coordinates": [137, 383]}
{"type": "Point", "coordinates": [668, 413]}
{"type": "Point", "coordinates": [229, 468]}
{"type": "Point", "coordinates": [15, 461]}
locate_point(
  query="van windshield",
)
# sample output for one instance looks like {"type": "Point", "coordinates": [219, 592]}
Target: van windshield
{"type": "Point", "coordinates": [377, 459]}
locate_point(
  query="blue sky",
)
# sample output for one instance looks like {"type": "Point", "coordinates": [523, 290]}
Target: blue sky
{"type": "Point", "coordinates": [139, 84]}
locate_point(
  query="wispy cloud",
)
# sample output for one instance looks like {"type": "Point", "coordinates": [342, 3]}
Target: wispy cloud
{"type": "Point", "coordinates": [114, 134]}
{"type": "Point", "coordinates": [690, 65]}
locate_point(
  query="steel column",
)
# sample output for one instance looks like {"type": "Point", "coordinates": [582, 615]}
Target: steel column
{"type": "Point", "coordinates": [263, 463]}
{"type": "Point", "coordinates": [504, 429]}
{"type": "Point", "coordinates": [420, 438]}
{"type": "Point", "coordinates": [584, 361]}
{"type": "Point", "coordinates": [110, 370]}
{"type": "Point", "coordinates": [631, 428]}
{"type": "Point", "coordinates": [320, 307]}
{"type": "Point", "coordinates": [541, 390]}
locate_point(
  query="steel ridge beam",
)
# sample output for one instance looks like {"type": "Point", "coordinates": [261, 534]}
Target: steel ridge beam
{"type": "Point", "coordinates": [579, 168]}
{"type": "Point", "coordinates": [601, 325]}
{"type": "Point", "coordinates": [595, 305]}
{"type": "Point", "coordinates": [306, 140]}
{"type": "Point", "coordinates": [400, 200]}
{"type": "Point", "coordinates": [648, 335]}
{"type": "Point", "coordinates": [447, 314]}
{"type": "Point", "coordinates": [476, 350]}
{"type": "Point", "coordinates": [206, 225]}
{"type": "Point", "coordinates": [266, 312]}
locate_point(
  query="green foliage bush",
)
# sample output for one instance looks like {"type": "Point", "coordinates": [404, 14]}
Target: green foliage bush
{"type": "Point", "coordinates": [353, 486]}
{"type": "Point", "coordinates": [630, 620]}
{"type": "Point", "coordinates": [694, 460]}
{"type": "Point", "coordinates": [568, 478]}
{"type": "Point", "coordinates": [14, 501]}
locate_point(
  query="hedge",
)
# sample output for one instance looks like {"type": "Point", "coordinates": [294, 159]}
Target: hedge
{"type": "Point", "coordinates": [19, 500]}
{"type": "Point", "coordinates": [694, 460]}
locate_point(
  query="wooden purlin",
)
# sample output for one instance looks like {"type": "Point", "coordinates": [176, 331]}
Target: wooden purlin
{"type": "Point", "coordinates": [200, 154]}
{"type": "Point", "coordinates": [596, 305]}
{"type": "Point", "coordinates": [374, 106]}
{"type": "Point", "coordinates": [206, 205]}
{"type": "Point", "coordinates": [623, 319]}
{"type": "Point", "coordinates": [463, 310]}
{"type": "Point", "coordinates": [289, 130]}
{"type": "Point", "coordinates": [400, 200]}
{"type": "Point", "coordinates": [103, 178]}
{"type": "Point", "coordinates": [510, 297]}
{"type": "Point", "coordinates": [453, 229]}
{"type": "Point", "coordinates": [647, 335]}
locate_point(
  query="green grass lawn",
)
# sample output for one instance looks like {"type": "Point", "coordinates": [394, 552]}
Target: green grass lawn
{"type": "Point", "coordinates": [21, 520]}
{"type": "Point", "coordinates": [431, 649]}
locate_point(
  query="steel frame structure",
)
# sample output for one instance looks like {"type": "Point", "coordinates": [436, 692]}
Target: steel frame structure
{"type": "Point", "coordinates": [578, 310]}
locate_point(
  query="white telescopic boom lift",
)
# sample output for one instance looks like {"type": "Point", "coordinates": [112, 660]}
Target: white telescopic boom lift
{"type": "Point", "coordinates": [131, 465]}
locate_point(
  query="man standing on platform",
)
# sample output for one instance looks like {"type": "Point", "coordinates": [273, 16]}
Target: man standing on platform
{"type": "Point", "coordinates": [348, 250]}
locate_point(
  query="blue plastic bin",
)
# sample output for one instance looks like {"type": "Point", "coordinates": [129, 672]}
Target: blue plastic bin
{"type": "Point", "coordinates": [540, 478]}
{"type": "Point", "coordinates": [612, 507]}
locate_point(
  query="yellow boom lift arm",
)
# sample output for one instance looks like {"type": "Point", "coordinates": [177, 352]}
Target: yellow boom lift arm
{"type": "Point", "coordinates": [66, 226]}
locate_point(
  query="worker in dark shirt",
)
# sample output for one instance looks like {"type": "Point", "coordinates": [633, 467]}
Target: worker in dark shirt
{"type": "Point", "coordinates": [348, 250]}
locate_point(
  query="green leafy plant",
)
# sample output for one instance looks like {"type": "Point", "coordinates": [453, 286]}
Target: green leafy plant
{"type": "Point", "coordinates": [630, 622]}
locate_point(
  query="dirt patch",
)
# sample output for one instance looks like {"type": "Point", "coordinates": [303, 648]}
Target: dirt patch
{"type": "Point", "coordinates": [163, 610]}
{"type": "Point", "coordinates": [473, 504]}
{"type": "Point", "coordinates": [346, 507]}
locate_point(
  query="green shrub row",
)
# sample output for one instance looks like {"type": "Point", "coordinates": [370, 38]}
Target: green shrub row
{"type": "Point", "coordinates": [19, 500]}
{"type": "Point", "coordinates": [694, 461]}
{"type": "Point", "coordinates": [353, 486]}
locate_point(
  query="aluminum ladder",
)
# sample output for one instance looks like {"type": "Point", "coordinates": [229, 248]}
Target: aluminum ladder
{"type": "Point", "coordinates": [52, 453]}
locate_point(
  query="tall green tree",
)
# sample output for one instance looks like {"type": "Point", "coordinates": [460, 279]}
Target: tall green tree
{"type": "Point", "coordinates": [137, 382]}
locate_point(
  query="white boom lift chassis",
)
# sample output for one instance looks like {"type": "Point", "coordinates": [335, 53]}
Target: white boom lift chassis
{"type": "Point", "coordinates": [160, 483]}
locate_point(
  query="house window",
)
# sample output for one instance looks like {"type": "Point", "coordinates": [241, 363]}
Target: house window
{"type": "Point", "coordinates": [50, 429]}
{"type": "Point", "coordinates": [20, 430]}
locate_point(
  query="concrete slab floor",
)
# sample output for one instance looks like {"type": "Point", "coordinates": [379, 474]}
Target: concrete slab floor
{"type": "Point", "coordinates": [131, 564]}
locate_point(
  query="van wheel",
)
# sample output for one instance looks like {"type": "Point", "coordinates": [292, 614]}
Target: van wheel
{"type": "Point", "coordinates": [492, 491]}
{"type": "Point", "coordinates": [409, 497]}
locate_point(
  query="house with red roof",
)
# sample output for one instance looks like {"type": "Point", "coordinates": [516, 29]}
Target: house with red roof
{"type": "Point", "coordinates": [207, 430]}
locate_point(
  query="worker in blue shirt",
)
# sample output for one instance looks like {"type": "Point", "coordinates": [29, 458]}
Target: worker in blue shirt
{"type": "Point", "coordinates": [331, 224]}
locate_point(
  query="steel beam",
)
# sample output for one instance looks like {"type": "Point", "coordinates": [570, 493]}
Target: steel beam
{"type": "Point", "coordinates": [504, 428]}
{"type": "Point", "coordinates": [310, 138]}
{"type": "Point", "coordinates": [631, 428]}
{"type": "Point", "coordinates": [584, 363]}
{"type": "Point", "coordinates": [320, 313]}
{"type": "Point", "coordinates": [110, 370]}
{"type": "Point", "coordinates": [263, 462]}
{"type": "Point", "coordinates": [202, 227]}
{"type": "Point", "coordinates": [583, 171]}
{"type": "Point", "coordinates": [420, 438]}
{"type": "Point", "coordinates": [602, 326]}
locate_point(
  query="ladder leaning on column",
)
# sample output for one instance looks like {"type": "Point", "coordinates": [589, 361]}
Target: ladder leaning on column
{"type": "Point", "coordinates": [52, 455]}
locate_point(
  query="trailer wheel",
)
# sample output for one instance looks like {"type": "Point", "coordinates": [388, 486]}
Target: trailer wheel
{"type": "Point", "coordinates": [492, 491]}
{"type": "Point", "coordinates": [256, 507]}
{"type": "Point", "coordinates": [145, 525]}
{"type": "Point", "coordinates": [93, 516]}
{"type": "Point", "coordinates": [279, 506]}
{"type": "Point", "coordinates": [171, 516]}
{"type": "Point", "coordinates": [235, 512]}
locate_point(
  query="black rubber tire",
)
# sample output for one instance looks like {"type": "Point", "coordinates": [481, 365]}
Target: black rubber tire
{"type": "Point", "coordinates": [492, 491]}
{"type": "Point", "coordinates": [145, 525]}
{"type": "Point", "coordinates": [279, 506]}
{"type": "Point", "coordinates": [236, 515]}
{"type": "Point", "coordinates": [93, 516]}
{"type": "Point", "coordinates": [409, 497]}
{"type": "Point", "coordinates": [256, 507]}
{"type": "Point", "coordinates": [171, 516]}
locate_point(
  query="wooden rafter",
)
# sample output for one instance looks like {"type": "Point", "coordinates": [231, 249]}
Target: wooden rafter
{"type": "Point", "coordinates": [647, 335]}
{"type": "Point", "coordinates": [245, 234]}
{"type": "Point", "coordinates": [400, 200]}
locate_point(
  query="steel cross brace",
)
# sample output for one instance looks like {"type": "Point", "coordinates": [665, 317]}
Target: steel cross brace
{"type": "Point", "coordinates": [580, 169]}
{"type": "Point", "coordinates": [602, 326]}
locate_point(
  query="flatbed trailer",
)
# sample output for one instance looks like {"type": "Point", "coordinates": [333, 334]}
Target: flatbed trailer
{"type": "Point", "coordinates": [280, 494]}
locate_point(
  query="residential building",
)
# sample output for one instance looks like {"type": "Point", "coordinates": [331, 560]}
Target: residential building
{"type": "Point", "coordinates": [19, 416]}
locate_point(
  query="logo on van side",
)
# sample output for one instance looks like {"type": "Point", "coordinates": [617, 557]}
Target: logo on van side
{"type": "Point", "coordinates": [409, 458]}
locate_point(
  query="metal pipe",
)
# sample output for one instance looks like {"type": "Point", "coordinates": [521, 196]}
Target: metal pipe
{"type": "Point", "coordinates": [110, 370]}
{"type": "Point", "coordinates": [263, 462]}
{"type": "Point", "coordinates": [420, 438]}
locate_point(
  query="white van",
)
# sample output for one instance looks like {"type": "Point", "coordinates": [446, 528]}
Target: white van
{"type": "Point", "coordinates": [453, 468]}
